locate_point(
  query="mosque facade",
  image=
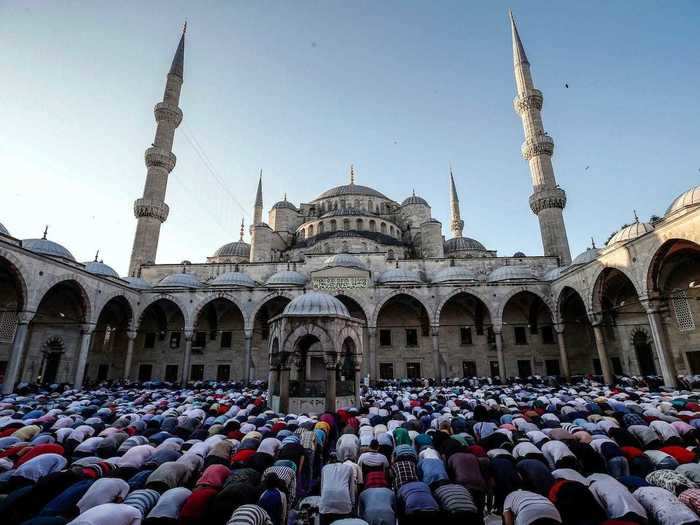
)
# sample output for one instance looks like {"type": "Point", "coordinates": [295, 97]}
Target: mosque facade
{"type": "Point", "coordinates": [354, 286]}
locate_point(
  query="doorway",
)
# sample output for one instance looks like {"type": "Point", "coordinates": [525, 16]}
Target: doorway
{"type": "Point", "coordinates": [524, 368]}
{"type": "Point", "coordinates": [469, 368]}
{"type": "Point", "coordinates": [53, 360]}
{"type": "Point", "coordinates": [413, 370]}
{"type": "Point", "coordinates": [645, 354]}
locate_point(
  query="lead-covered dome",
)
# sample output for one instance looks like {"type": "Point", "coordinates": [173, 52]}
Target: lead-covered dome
{"type": "Point", "coordinates": [234, 249]}
{"type": "Point", "coordinates": [316, 304]}
{"type": "Point", "coordinates": [455, 274]}
{"type": "Point", "coordinates": [233, 279]}
{"type": "Point", "coordinates": [346, 260]}
{"type": "Point", "coordinates": [685, 200]}
{"type": "Point", "coordinates": [284, 205]}
{"type": "Point", "coordinates": [584, 258]}
{"type": "Point", "coordinates": [461, 244]}
{"type": "Point", "coordinates": [180, 280]}
{"type": "Point", "coordinates": [47, 247]}
{"type": "Point", "coordinates": [286, 278]}
{"type": "Point", "coordinates": [631, 232]}
{"type": "Point", "coordinates": [3, 230]}
{"type": "Point", "coordinates": [350, 189]}
{"type": "Point", "coordinates": [400, 276]}
{"type": "Point", "coordinates": [414, 199]}
{"type": "Point", "coordinates": [512, 273]}
{"type": "Point", "coordinates": [138, 282]}
{"type": "Point", "coordinates": [100, 268]}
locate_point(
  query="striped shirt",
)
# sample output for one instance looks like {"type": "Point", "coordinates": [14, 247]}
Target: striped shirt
{"type": "Point", "coordinates": [249, 515]}
{"type": "Point", "coordinates": [288, 477]}
{"type": "Point", "coordinates": [454, 498]}
{"type": "Point", "coordinates": [142, 500]}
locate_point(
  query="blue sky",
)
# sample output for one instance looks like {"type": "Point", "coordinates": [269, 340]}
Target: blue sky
{"type": "Point", "coordinates": [302, 89]}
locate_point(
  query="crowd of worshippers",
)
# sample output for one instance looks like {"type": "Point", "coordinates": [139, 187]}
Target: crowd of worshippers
{"type": "Point", "coordinates": [526, 454]}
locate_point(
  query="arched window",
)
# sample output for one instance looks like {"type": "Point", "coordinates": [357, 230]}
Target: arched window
{"type": "Point", "coordinates": [334, 227]}
{"type": "Point", "coordinates": [342, 203]}
{"type": "Point", "coordinates": [360, 225]}
{"type": "Point", "coordinates": [364, 247]}
{"type": "Point", "coordinates": [302, 234]}
{"type": "Point", "coordinates": [382, 227]}
{"type": "Point", "coordinates": [372, 226]}
{"type": "Point", "coordinates": [346, 224]}
{"type": "Point", "coordinates": [345, 247]}
{"type": "Point", "coordinates": [391, 230]}
{"type": "Point", "coordinates": [321, 227]}
{"type": "Point", "coordinates": [326, 247]}
{"type": "Point", "coordinates": [369, 205]}
{"type": "Point", "coordinates": [311, 230]}
{"type": "Point", "coordinates": [335, 205]}
{"type": "Point", "coordinates": [357, 203]}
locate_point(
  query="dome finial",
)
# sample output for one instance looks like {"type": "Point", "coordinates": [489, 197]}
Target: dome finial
{"type": "Point", "coordinates": [636, 219]}
{"type": "Point", "coordinates": [593, 243]}
{"type": "Point", "coordinates": [97, 254]}
{"type": "Point", "coordinates": [414, 192]}
{"type": "Point", "coordinates": [242, 228]}
{"type": "Point", "coordinates": [285, 196]}
{"type": "Point", "coordinates": [46, 231]}
{"type": "Point", "coordinates": [352, 174]}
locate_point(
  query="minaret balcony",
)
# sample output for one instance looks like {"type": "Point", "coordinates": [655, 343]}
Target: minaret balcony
{"type": "Point", "coordinates": [537, 145]}
{"type": "Point", "coordinates": [547, 198]}
{"type": "Point", "coordinates": [166, 112]}
{"type": "Point", "coordinates": [158, 157]}
{"type": "Point", "coordinates": [530, 100]}
{"type": "Point", "coordinates": [150, 208]}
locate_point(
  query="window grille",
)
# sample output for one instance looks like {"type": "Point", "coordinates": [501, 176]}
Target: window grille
{"type": "Point", "coordinates": [681, 307]}
{"type": "Point", "coordinates": [8, 325]}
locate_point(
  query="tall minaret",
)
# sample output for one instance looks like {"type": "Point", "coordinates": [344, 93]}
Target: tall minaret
{"type": "Point", "coordinates": [456, 222]}
{"type": "Point", "coordinates": [258, 210]}
{"type": "Point", "coordinates": [548, 199]}
{"type": "Point", "coordinates": [150, 210]}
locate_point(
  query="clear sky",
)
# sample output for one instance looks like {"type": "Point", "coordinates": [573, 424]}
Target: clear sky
{"type": "Point", "coordinates": [302, 89]}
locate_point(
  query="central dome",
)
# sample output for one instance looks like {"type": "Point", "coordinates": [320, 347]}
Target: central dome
{"type": "Point", "coordinates": [350, 189]}
{"type": "Point", "coordinates": [316, 304]}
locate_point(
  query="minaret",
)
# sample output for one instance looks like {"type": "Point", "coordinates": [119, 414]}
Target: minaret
{"type": "Point", "coordinates": [150, 210]}
{"type": "Point", "coordinates": [257, 212]}
{"type": "Point", "coordinates": [456, 222]}
{"type": "Point", "coordinates": [548, 199]}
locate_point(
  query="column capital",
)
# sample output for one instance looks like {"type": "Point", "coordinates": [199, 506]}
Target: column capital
{"type": "Point", "coordinates": [248, 333]}
{"type": "Point", "coordinates": [371, 331]}
{"type": "Point", "coordinates": [87, 328]}
{"type": "Point", "coordinates": [25, 317]}
{"type": "Point", "coordinates": [497, 329]}
{"type": "Point", "coordinates": [595, 318]}
{"type": "Point", "coordinates": [188, 334]}
{"type": "Point", "coordinates": [559, 327]}
{"type": "Point", "coordinates": [131, 334]}
{"type": "Point", "coordinates": [652, 303]}
{"type": "Point", "coordinates": [435, 330]}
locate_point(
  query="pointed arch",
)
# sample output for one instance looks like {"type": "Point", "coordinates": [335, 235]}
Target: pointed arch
{"type": "Point", "coordinates": [459, 291]}
{"type": "Point", "coordinates": [17, 272]}
{"type": "Point", "coordinates": [505, 299]}
{"type": "Point", "coordinates": [392, 295]}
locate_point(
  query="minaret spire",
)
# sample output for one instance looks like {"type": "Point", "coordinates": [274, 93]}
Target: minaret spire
{"type": "Point", "coordinates": [258, 210]}
{"type": "Point", "coordinates": [352, 174]}
{"type": "Point", "coordinates": [242, 229]}
{"type": "Point", "coordinates": [150, 210]}
{"type": "Point", "coordinates": [548, 199]}
{"type": "Point", "coordinates": [456, 222]}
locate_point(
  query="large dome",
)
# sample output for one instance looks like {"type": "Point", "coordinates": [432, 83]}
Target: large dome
{"type": "Point", "coordinates": [286, 278]}
{"type": "Point", "coordinates": [350, 189]}
{"type": "Point", "coordinates": [631, 232]}
{"type": "Point", "coordinates": [400, 276]}
{"type": "Point", "coordinates": [459, 244]}
{"type": "Point", "coordinates": [316, 304]}
{"type": "Point", "coordinates": [3, 230]}
{"type": "Point", "coordinates": [455, 274]}
{"type": "Point", "coordinates": [180, 280]}
{"type": "Point", "coordinates": [100, 268]}
{"type": "Point", "coordinates": [512, 273]}
{"type": "Point", "coordinates": [346, 260]}
{"type": "Point", "coordinates": [46, 247]}
{"type": "Point", "coordinates": [233, 279]}
{"type": "Point", "coordinates": [233, 249]}
{"type": "Point", "coordinates": [684, 200]}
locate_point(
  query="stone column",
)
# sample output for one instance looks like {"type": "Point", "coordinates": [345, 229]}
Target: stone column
{"type": "Point", "coordinates": [19, 346]}
{"type": "Point", "coordinates": [284, 389]}
{"type": "Point", "coordinates": [187, 357]}
{"type": "Point", "coordinates": [330, 387]}
{"type": "Point", "coordinates": [602, 352]}
{"type": "Point", "coordinates": [131, 335]}
{"type": "Point", "coordinates": [248, 354]}
{"type": "Point", "coordinates": [435, 339]}
{"type": "Point", "coordinates": [563, 357]}
{"type": "Point", "coordinates": [372, 340]}
{"type": "Point", "coordinates": [499, 352]}
{"type": "Point", "coordinates": [273, 380]}
{"type": "Point", "coordinates": [86, 332]}
{"type": "Point", "coordinates": [663, 352]}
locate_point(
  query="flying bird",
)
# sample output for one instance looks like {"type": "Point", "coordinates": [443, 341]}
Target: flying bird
{"type": "Point", "coordinates": [587, 168]}
{"type": "Point", "coordinates": [566, 86]}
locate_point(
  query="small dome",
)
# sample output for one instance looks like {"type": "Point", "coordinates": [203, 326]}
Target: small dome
{"type": "Point", "coordinates": [519, 254]}
{"type": "Point", "coordinates": [631, 232]}
{"type": "Point", "coordinates": [584, 258]}
{"type": "Point", "coordinates": [234, 249]}
{"type": "Point", "coordinates": [511, 273]}
{"type": "Point", "coordinates": [3, 230]}
{"type": "Point", "coordinates": [400, 276]}
{"type": "Point", "coordinates": [459, 244]}
{"type": "Point", "coordinates": [286, 278]}
{"type": "Point", "coordinates": [555, 273]}
{"type": "Point", "coordinates": [346, 260]}
{"type": "Point", "coordinates": [414, 199]}
{"type": "Point", "coordinates": [316, 304]}
{"type": "Point", "coordinates": [233, 279]}
{"type": "Point", "coordinates": [100, 268]}
{"type": "Point", "coordinates": [46, 247]}
{"type": "Point", "coordinates": [454, 274]}
{"type": "Point", "coordinates": [137, 282]}
{"type": "Point", "coordinates": [684, 200]}
{"type": "Point", "coordinates": [180, 280]}
{"type": "Point", "coordinates": [284, 205]}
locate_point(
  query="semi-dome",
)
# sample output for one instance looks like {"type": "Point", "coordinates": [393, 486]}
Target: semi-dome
{"type": "Point", "coordinates": [631, 232]}
{"type": "Point", "coordinates": [180, 280]}
{"type": "Point", "coordinates": [233, 279]}
{"type": "Point", "coordinates": [350, 189]}
{"type": "Point", "coordinates": [511, 273]}
{"type": "Point", "coordinates": [414, 199]}
{"type": "Point", "coordinates": [286, 278]}
{"type": "Point", "coordinates": [584, 258]}
{"type": "Point", "coordinates": [316, 304]}
{"type": "Point", "coordinates": [459, 244]}
{"type": "Point", "coordinates": [234, 249]}
{"type": "Point", "coordinates": [100, 268]}
{"type": "Point", "coordinates": [3, 230]}
{"type": "Point", "coordinates": [399, 276]}
{"type": "Point", "coordinates": [138, 282]}
{"type": "Point", "coordinates": [346, 260]}
{"type": "Point", "coordinates": [453, 274]}
{"type": "Point", "coordinates": [47, 247]}
{"type": "Point", "coordinates": [685, 200]}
